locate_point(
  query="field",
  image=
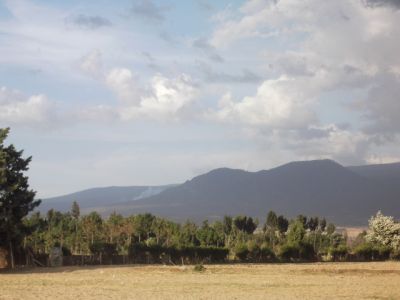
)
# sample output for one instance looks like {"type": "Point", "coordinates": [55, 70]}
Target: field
{"type": "Point", "coordinates": [243, 281]}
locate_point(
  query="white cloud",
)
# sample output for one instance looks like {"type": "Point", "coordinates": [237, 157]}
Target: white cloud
{"type": "Point", "coordinates": [375, 159]}
{"type": "Point", "coordinates": [278, 104]}
{"type": "Point", "coordinates": [16, 108]}
{"type": "Point", "coordinates": [163, 99]}
{"type": "Point", "coordinates": [124, 83]}
{"type": "Point", "coordinates": [167, 97]}
{"type": "Point", "coordinates": [321, 47]}
{"type": "Point", "coordinates": [341, 144]}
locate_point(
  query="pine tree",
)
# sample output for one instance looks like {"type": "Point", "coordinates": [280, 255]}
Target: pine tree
{"type": "Point", "coordinates": [75, 210]}
{"type": "Point", "coordinates": [16, 199]}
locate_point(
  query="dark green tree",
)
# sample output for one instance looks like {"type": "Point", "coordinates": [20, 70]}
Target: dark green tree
{"type": "Point", "coordinates": [312, 223]}
{"type": "Point", "coordinates": [282, 224]}
{"type": "Point", "coordinates": [302, 219]}
{"type": "Point", "coordinates": [16, 199]}
{"type": "Point", "coordinates": [272, 220]}
{"type": "Point", "coordinates": [244, 224]}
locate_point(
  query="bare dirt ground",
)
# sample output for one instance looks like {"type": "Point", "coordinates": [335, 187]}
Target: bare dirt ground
{"type": "Point", "coordinates": [243, 281]}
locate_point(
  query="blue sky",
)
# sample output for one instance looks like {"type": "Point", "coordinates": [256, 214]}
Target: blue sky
{"type": "Point", "coordinates": [143, 92]}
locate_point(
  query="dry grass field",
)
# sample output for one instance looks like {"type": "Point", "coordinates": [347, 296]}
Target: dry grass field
{"type": "Point", "coordinates": [247, 281]}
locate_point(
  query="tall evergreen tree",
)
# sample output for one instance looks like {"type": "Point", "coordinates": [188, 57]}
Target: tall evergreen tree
{"type": "Point", "coordinates": [75, 210]}
{"type": "Point", "coordinates": [16, 199]}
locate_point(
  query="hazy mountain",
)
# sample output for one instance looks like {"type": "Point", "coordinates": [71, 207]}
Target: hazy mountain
{"type": "Point", "coordinates": [382, 172]}
{"type": "Point", "coordinates": [321, 187]}
{"type": "Point", "coordinates": [101, 199]}
{"type": "Point", "coordinates": [344, 195]}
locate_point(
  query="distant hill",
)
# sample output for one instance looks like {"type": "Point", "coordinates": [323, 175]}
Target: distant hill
{"type": "Point", "coordinates": [101, 199]}
{"type": "Point", "coordinates": [346, 196]}
{"type": "Point", "coordinates": [321, 188]}
{"type": "Point", "coordinates": [382, 172]}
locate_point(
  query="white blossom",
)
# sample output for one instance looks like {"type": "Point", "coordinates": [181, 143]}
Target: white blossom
{"type": "Point", "coordinates": [384, 230]}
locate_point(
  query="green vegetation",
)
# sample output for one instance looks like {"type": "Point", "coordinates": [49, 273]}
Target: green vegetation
{"type": "Point", "coordinates": [151, 239]}
{"type": "Point", "coordinates": [148, 238]}
{"type": "Point", "coordinates": [16, 199]}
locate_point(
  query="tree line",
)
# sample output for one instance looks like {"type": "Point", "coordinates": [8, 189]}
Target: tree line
{"type": "Point", "coordinates": [238, 238]}
{"type": "Point", "coordinates": [150, 238]}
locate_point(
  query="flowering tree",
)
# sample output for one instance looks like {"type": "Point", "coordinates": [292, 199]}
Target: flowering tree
{"type": "Point", "coordinates": [384, 230]}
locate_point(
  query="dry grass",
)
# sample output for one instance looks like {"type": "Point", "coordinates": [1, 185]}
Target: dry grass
{"type": "Point", "coordinates": [271, 281]}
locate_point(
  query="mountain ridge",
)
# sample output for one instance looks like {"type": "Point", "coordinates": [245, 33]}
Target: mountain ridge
{"type": "Point", "coordinates": [345, 195]}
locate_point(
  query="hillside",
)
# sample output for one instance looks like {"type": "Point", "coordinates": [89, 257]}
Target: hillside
{"type": "Point", "coordinates": [322, 188]}
{"type": "Point", "coordinates": [100, 199]}
{"type": "Point", "coordinates": [346, 196]}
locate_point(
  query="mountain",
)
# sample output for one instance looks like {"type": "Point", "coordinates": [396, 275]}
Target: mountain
{"type": "Point", "coordinates": [321, 188]}
{"type": "Point", "coordinates": [344, 195]}
{"type": "Point", "coordinates": [100, 199]}
{"type": "Point", "coordinates": [382, 172]}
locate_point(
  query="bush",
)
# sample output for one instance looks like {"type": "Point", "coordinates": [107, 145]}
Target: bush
{"type": "Point", "coordinates": [241, 252]}
{"type": "Point", "coordinates": [307, 251]}
{"type": "Point", "coordinates": [365, 251]}
{"type": "Point", "coordinates": [384, 252]}
{"type": "Point", "coordinates": [103, 248]}
{"type": "Point", "coordinates": [66, 251]}
{"type": "Point", "coordinates": [395, 254]}
{"type": "Point", "coordinates": [338, 253]}
{"type": "Point", "coordinates": [289, 252]}
{"type": "Point", "coordinates": [199, 268]}
{"type": "Point", "coordinates": [368, 252]}
{"type": "Point", "coordinates": [254, 251]}
{"type": "Point", "coordinates": [296, 251]}
{"type": "Point", "coordinates": [192, 253]}
{"type": "Point", "coordinates": [266, 253]}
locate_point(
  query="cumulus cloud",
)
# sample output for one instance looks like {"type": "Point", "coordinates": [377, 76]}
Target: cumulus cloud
{"type": "Point", "coordinates": [16, 108]}
{"type": "Point", "coordinates": [381, 108]}
{"type": "Point", "coordinates": [163, 99]}
{"type": "Point", "coordinates": [166, 98]}
{"type": "Point", "coordinates": [336, 46]}
{"type": "Point", "coordinates": [277, 104]}
{"type": "Point", "coordinates": [124, 83]}
{"type": "Point", "coordinates": [341, 144]}
{"type": "Point", "coordinates": [87, 22]}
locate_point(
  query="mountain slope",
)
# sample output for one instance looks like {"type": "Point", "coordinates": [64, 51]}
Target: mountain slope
{"type": "Point", "coordinates": [101, 198]}
{"type": "Point", "coordinates": [382, 172]}
{"type": "Point", "coordinates": [320, 187]}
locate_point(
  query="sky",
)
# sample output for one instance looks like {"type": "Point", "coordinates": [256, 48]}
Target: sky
{"type": "Point", "coordinates": [147, 92]}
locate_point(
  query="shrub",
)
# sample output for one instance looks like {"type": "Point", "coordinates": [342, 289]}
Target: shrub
{"type": "Point", "coordinates": [365, 251]}
{"type": "Point", "coordinates": [266, 253]}
{"type": "Point", "coordinates": [338, 253]}
{"type": "Point", "coordinates": [395, 254]}
{"type": "Point", "coordinates": [289, 252]}
{"type": "Point", "coordinates": [253, 251]}
{"type": "Point", "coordinates": [306, 251]}
{"type": "Point", "coordinates": [241, 252]}
{"type": "Point", "coordinates": [199, 268]}
{"type": "Point", "coordinates": [103, 248]}
{"type": "Point", "coordinates": [66, 251]}
{"type": "Point", "coordinates": [368, 251]}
